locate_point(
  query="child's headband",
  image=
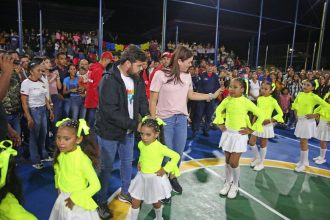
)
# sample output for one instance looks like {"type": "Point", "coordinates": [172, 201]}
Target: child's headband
{"type": "Point", "coordinates": [81, 125]}
{"type": "Point", "coordinates": [5, 153]}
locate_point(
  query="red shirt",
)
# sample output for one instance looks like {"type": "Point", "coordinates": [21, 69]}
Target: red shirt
{"type": "Point", "coordinates": [146, 82]}
{"type": "Point", "coordinates": [94, 77]}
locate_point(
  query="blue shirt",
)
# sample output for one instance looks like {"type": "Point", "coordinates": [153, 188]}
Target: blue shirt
{"type": "Point", "coordinates": [208, 84]}
{"type": "Point", "coordinates": [71, 84]}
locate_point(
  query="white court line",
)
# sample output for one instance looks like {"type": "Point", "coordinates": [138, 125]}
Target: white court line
{"type": "Point", "coordinates": [312, 145]}
{"type": "Point", "coordinates": [240, 189]}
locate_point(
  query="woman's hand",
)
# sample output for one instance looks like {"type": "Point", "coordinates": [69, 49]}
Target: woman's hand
{"type": "Point", "coordinates": [160, 172]}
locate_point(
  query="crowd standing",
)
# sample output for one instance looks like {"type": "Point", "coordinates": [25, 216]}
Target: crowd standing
{"type": "Point", "coordinates": [80, 112]}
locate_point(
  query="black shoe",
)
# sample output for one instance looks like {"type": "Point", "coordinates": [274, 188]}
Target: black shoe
{"type": "Point", "coordinates": [206, 134]}
{"type": "Point", "coordinates": [175, 185]}
{"type": "Point", "coordinates": [104, 211]}
{"type": "Point", "coordinates": [166, 200]}
{"type": "Point", "coordinates": [125, 197]}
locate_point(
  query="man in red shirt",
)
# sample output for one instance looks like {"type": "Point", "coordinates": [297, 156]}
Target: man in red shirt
{"type": "Point", "coordinates": [94, 76]}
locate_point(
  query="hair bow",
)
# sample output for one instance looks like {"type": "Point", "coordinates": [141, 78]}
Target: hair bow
{"type": "Point", "coordinates": [5, 153]}
{"type": "Point", "coordinates": [159, 121]}
{"type": "Point", "coordinates": [317, 85]}
{"type": "Point", "coordinates": [273, 87]}
{"type": "Point", "coordinates": [247, 86]}
{"type": "Point", "coordinates": [59, 123]}
{"type": "Point", "coordinates": [82, 127]}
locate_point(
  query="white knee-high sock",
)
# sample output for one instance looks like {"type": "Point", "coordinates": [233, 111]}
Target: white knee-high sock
{"type": "Point", "coordinates": [263, 152]}
{"type": "Point", "coordinates": [255, 151]}
{"type": "Point", "coordinates": [236, 174]}
{"type": "Point", "coordinates": [304, 157]}
{"type": "Point", "coordinates": [229, 173]}
{"type": "Point", "coordinates": [323, 152]}
{"type": "Point", "coordinates": [159, 213]}
{"type": "Point", "coordinates": [134, 213]}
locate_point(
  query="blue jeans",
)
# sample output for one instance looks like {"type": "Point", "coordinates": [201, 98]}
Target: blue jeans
{"type": "Point", "coordinates": [38, 134]}
{"type": "Point", "coordinates": [15, 122]}
{"type": "Point", "coordinates": [75, 105]}
{"type": "Point", "coordinates": [91, 117]}
{"type": "Point", "coordinates": [57, 108]}
{"type": "Point", "coordinates": [109, 149]}
{"type": "Point", "coordinates": [66, 107]}
{"type": "Point", "coordinates": [175, 133]}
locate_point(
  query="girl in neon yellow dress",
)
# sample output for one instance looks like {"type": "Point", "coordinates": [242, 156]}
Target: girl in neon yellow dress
{"type": "Point", "coordinates": [10, 187]}
{"type": "Point", "coordinates": [323, 129]}
{"type": "Point", "coordinates": [303, 106]}
{"type": "Point", "coordinates": [267, 104]}
{"type": "Point", "coordinates": [232, 118]}
{"type": "Point", "coordinates": [151, 183]}
{"type": "Point", "coordinates": [75, 176]}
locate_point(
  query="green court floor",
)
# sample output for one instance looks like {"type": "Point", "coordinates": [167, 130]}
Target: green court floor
{"type": "Point", "coordinates": [273, 193]}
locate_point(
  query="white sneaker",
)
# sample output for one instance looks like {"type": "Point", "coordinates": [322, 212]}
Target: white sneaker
{"type": "Point", "coordinates": [225, 189]}
{"type": "Point", "coordinates": [254, 162]}
{"type": "Point", "coordinates": [259, 167]}
{"type": "Point", "coordinates": [321, 161]}
{"type": "Point", "coordinates": [300, 168]}
{"type": "Point", "coordinates": [232, 192]}
{"type": "Point", "coordinates": [317, 158]}
{"type": "Point", "coordinates": [159, 219]}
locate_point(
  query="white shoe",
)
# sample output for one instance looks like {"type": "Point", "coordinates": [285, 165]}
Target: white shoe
{"type": "Point", "coordinates": [254, 162]}
{"type": "Point", "coordinates": [259, 167]}
{"type": "Point", "coordinates": [305, 164]}
{"type": "Point", "coordinates": [225, 189]}
{"type": "Point", "coordinates": [321, 161]}
{"type": "Point", "coordinates": [300, 168]}
{"type": "Point", "coordinates": [232, 192]}
{"type": "Point", "coordinates": [159, 219]}
{"type": "Point", "coordinates": [317, 158]}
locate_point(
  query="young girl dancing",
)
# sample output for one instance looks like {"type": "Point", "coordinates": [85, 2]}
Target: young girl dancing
{"type": "Point", "coordinates": [306, 126]}
{"type": "Point", "coordinates": [10, 186]}
{"type": "Point", "coordinates": [151, 184]}
{"type": "Point", "coordinates": [233, 120]}
{"type": "Point", "coordinates": [75, 177]}
{"type": "Point", "coordinates": [267, 104]}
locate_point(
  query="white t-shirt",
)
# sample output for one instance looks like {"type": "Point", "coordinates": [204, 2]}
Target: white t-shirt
{"type": "Point", "coordinates": [254, 89]}
{"type": "Point", "coordinates": [36, 92]}
{"type": "Point", "coordinates": [129, 84]}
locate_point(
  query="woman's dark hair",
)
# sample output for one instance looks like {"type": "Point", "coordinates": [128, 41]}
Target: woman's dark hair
{"type": "Point", "coordinates": [88, 144]}
{"type": "Point", "coordinates": [13, 184]}
{"type": "Point", "coordinates": [152, 123]}
{"type": "Point", "coordinates": [71, 65]}
{"type": "Point", "coordinates": [34, 63]}
{"type": "Point", "coordinates": [173, 72]}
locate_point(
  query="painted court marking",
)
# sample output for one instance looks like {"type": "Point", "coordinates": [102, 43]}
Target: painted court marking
{"type": "Point", "coordinates": [240, 189]}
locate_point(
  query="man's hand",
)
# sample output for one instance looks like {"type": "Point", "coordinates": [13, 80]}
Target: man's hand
{"type": "Point", "coordinates": [14, 136]}
{"type": "Point", "coordinates": [6, 64]}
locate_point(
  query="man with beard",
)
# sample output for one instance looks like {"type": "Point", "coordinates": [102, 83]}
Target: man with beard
{"type": "Point", "coordinates": [122, 98]}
